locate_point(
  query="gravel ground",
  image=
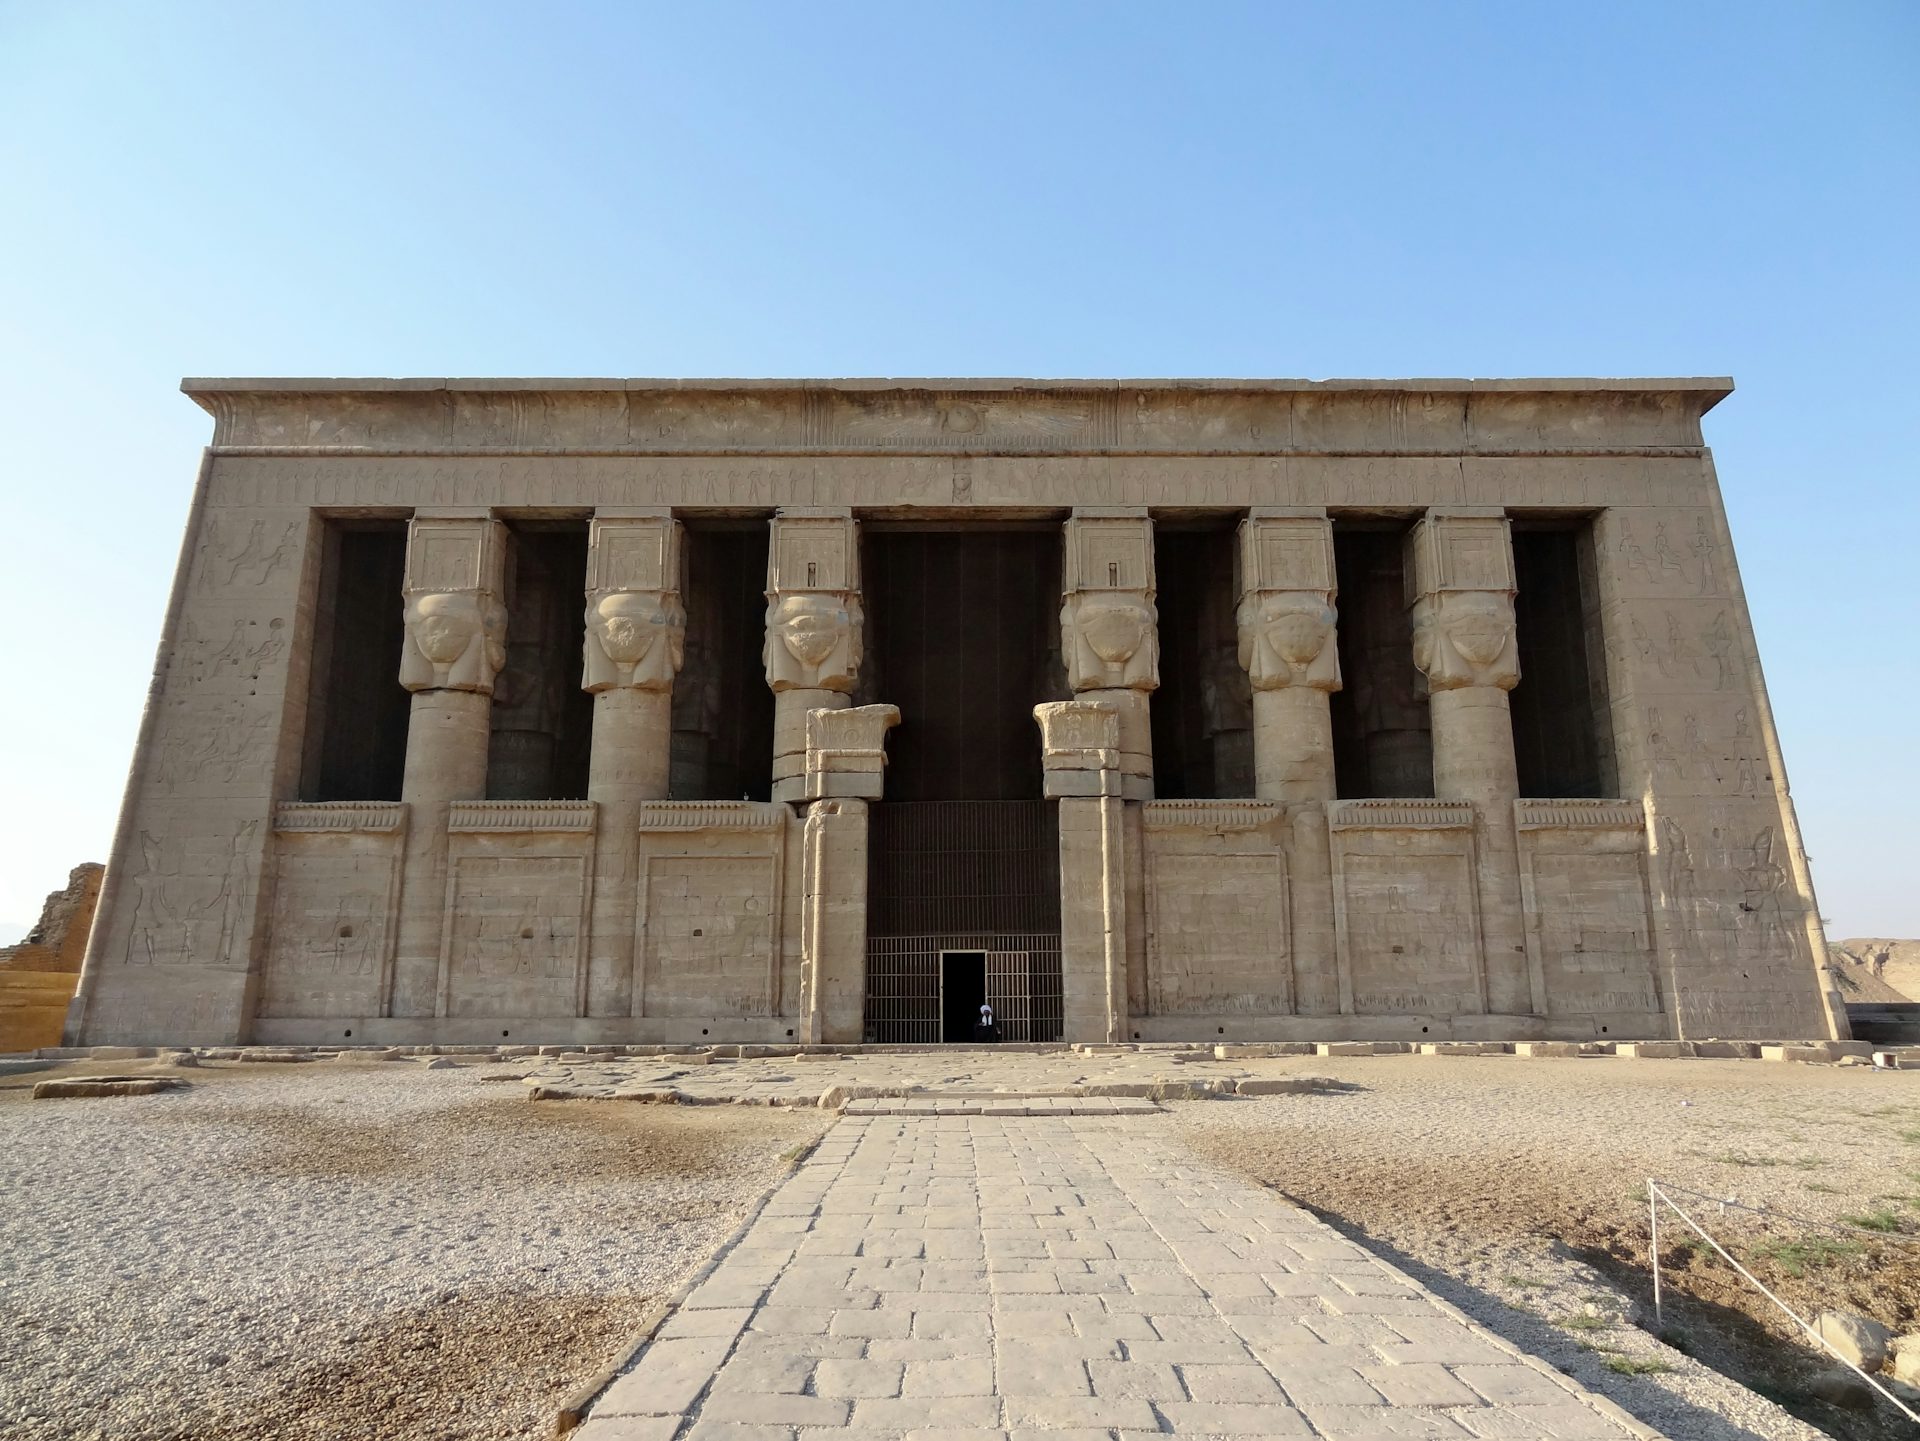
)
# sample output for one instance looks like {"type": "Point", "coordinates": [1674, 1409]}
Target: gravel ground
{"type": "Point", "coordinates": [345, 1250]}
{"type": "Point", "coordinates": [1515, 1189]}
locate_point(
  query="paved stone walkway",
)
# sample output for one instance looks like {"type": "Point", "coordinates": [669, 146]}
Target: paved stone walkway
{"type": "Point", "coordinates": [971, 1278]}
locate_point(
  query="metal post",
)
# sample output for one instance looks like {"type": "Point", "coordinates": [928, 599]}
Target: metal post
{"type": "Point", "coordinates": [1653, 1220]}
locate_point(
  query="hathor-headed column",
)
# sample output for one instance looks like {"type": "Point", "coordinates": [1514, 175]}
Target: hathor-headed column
{"type": "Point", "coordinates": [1460, 588]}
{"type": "Point", "coordinates": [455, 644]}
{"type": "Point", "coordinates": [1286, 623]}
{"type": "Point", "coordinates": [636, 639]}
{"type": "Point", "coordinates": [1109, 630]}
{"type": "Point", "coordinates": [813, 640]}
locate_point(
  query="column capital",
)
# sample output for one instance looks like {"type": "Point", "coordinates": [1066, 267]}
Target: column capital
{"type": "Point", "coordinates": [847, 752]}
{"type": "Point", "coordinates": [1109, 626]}
{"type": "Point", "coordinates": [1079, 748]}
{"type": "Point", "coordinates": [456, 627]}
{"type": "Point", "coordinates": [1460, 588]}
{"type": "Point", "coordinates": [1286, 618]}
{"type": "Point", "coordinates": [636, 626]}
{"type": "Point", "coordinates": [814, 620]}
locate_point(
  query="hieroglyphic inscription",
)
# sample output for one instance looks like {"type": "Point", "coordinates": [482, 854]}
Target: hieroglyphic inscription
{"type": "Point", "coordinates": [1218, 933]}
{"type": "Point", "coordinates": [1409, 936]}
{"type": "Point", "coordinates": [1594, 932]}
{"type": "Point", "coordinates": [332, 925]}
{"type": "Point", "coordinates": [709, 935]}
{"type": "Point", "coordinates": [192, 913]}
{"type": "Point", "coordinates": [513, 935]}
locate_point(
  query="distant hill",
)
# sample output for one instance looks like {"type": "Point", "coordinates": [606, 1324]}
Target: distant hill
{"type": "Point", "coordinates": [1876, 970]}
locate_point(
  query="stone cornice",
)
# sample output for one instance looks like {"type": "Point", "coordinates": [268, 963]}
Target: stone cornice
{"type": "Point", "coordinates": [957, 417]}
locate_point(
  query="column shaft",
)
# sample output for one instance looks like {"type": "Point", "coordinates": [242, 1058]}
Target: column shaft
{"type": "Point", "coordinates": [1287, 643]}
{"type": "Point", "coordinates": [636, 640]}
{"type": "Point", "coordinates": [455, 645]}
{"type": "Point", "coordinates": [1461, 569]}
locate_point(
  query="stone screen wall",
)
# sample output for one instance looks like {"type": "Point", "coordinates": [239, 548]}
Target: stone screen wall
{"type": "Point", "coordinates": [543, 709]}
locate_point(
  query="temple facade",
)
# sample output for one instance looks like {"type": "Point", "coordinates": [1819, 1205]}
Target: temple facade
{"type": "Point", "coordinates": [828, 711]}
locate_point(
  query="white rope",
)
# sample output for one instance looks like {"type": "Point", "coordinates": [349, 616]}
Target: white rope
{"type": "Point", "coordinates": [1655, 1195]}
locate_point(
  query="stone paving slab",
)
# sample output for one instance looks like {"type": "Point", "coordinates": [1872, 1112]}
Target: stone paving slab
{"type": "Point", "coordinates": [988, 1278]}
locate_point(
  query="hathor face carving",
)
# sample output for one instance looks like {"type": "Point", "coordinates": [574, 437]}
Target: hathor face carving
{"type": "Point", "coordinates": [813, 640]}
{"type": "Point", "coordinates": [1114, 629]}
{"type": "Point", "coordinates": [444, 626]}
{"type": "Point", "coordinates": [1109, 640]}
{"type": "Point", "coordinates": [811, 635]}
{"type": "Point", "coordinates": [456, 641]}
{"type": "Point", "coordinates": [1286, 638]}
{"type": "Point", "coordinates": [634, 638]}
{"type": "Point", "coordinates": [1464, 638]}
{"type": "Point", "coordinates": [1479, 627]}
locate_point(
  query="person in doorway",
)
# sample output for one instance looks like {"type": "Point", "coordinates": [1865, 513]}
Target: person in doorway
{"type": "Point", "coordinates": [986, 1031]}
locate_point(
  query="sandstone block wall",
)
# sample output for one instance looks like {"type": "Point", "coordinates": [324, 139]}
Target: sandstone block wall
{"type": "Point", "coordinates": [238, 905]}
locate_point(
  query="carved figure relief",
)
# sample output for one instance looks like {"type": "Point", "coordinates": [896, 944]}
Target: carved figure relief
{"type": "Point", "coordinates": [1466, 638]}
{"type": "Point", "coordinates": [709, 933]}
{"type": "Point", "coordinates": [1111, 640]}
{"type": "Point", "coordinates": [455, 640]}
{"type": "Point", "coordinates": [182, 919]}
{"type": "Point", "coordinates": [813, 641]}
{"type": "Point", "coordinates": [1669, 565]}
{"type": "Point", "coordinates": [636, 639]}
{"type": "Point", "coordinates": [234, 554]}
{"type": "Point", "coordinates": [211, 741]}
{"type": "Point", "coordinates": [1286, 638]}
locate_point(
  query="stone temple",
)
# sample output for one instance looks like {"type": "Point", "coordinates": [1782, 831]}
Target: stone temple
{"type": "Point", "coordinates": [824, 710]}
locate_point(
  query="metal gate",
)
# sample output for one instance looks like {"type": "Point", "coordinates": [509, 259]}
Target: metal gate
{"type": "Point", "coordinates": [963, 876]}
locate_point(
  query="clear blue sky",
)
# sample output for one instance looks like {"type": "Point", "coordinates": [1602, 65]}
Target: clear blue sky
{"type": "Point", "coordinates": [995, 189]}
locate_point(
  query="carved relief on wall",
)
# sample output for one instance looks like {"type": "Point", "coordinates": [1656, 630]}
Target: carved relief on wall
{"type": "Point", "coordinates": [709, 932]}
{"type": "Point", "coordinates": [1730, 887]}
{"type": "Point", "coordinates": [336, 888]}
{"type": "Point", "coordinates": [513, 934]}
{"type": "Point", "coordinates": [241, 655]}
{"type": "Point", "coordinates": [1589, 926]}
{"type": "Point", "coordinates": [1668, 554]}
{"type": "Point", "coordinates": [1218, 934]}
{"type": "Point", "coordinates": [190, 904]}
{"type": "Point", "coordinates": [212, 743]}
{"type": "Point", "coordinates": [1406, 908]}
{"type": "Point", "coordinates": [710, 887]}
{"type": "Point", "coordinates": [244, 552]}
{"type": "Point", "coordinates": [1408, 934]}
{"type": "Point", "coordinates": [1711, 747]}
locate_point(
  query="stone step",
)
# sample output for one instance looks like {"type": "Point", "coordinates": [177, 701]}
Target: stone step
{"type": "Point", "coordinates": [987, 1105]}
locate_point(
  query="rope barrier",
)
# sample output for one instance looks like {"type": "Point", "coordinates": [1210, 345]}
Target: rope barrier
{"type": "Point", "coordinates": [1890, 1238]}
{"type": "Point", "coordinates": [1655, 1196]}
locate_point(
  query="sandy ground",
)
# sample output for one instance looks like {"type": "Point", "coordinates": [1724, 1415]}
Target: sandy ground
{"type": "Point", "coordinates": [379, 1250]}
{"type": "Point", "coordinates": [1516, 1189]}
{"type": "Point", "coordinates": [336, 1250]}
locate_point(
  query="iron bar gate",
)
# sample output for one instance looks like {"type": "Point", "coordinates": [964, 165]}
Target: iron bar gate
{"type": "Point", "coordinates": [971, 876]}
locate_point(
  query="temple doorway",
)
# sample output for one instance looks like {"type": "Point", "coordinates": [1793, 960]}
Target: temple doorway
{"type": "Point", "coordinates": [963, 855]}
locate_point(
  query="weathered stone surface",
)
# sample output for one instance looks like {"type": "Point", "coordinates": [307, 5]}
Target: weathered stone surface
{"type": "Point", "coordinates": [81, 1087]}
{"type": "Point", "coordinates": [1905, 1359]}
{"type": "Point", "coordinates": [1858, 1339]}
{"type": "Point", "coordinates": [481, 901]}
